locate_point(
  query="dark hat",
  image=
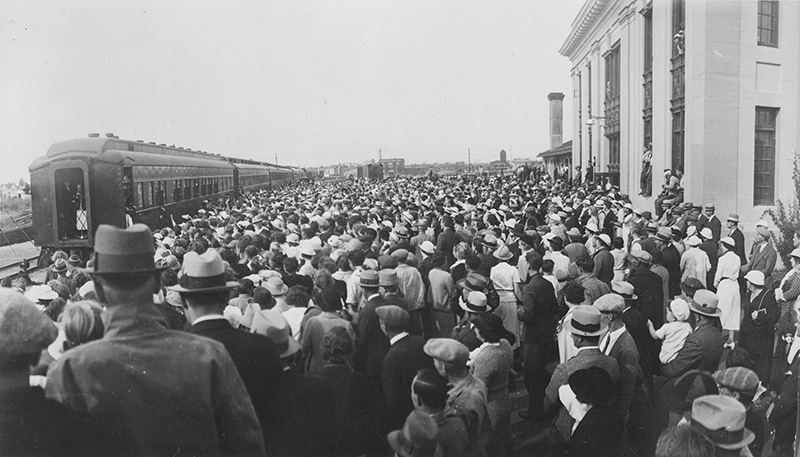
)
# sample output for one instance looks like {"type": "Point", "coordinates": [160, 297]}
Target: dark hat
{"type": "Point", "coordinates": [664, 234]}
{"type": "Point", "coordinates": [120, 251]}
{"type": "Point", "coordinates": [647, 215]}
{"type": "Point", "coordinates": [60, 266]}
{"type": "Point", "coordinates": [203, 273]}
{"type": "Point", "coordinates": [592, 386]}
{"type": "Point", "coordinates": [419, 437]}
{"type": "Point", "coordinates": [369, 278]}
{"type": "Point", "coordinates": [691, 285]}
{"type": "Point", "coordinates": [387, 261]}
{"type": "Point", "coordinates": [679, 394]}
{"type": "Point", "coordinates": [557, 243]}
{"type": "Point", "coordinates": [491, 327]}
{"type": "Point", "coordinates": [473, 281]}
{"type": "Point", "coordinates": [262, 296]}
{"type": "Point", "coordinates": [75, 260]}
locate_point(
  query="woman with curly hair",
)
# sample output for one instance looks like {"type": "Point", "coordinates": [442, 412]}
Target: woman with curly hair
{"type": "Point", "coordinates": [459, 269]}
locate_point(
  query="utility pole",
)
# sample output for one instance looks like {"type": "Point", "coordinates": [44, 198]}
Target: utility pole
{"type": "Point", "coordinates": [469, 161]}
{"type": "Point", "coordinates": [380, 154]}
{"type": "Point", "coordinates": [276, 158]}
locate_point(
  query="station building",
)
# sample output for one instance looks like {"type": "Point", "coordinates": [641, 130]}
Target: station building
{"type": "Point", "coordinates": [712, 85]}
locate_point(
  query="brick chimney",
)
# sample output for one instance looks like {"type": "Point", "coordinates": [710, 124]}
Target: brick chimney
{"type": "Point", "coordinates": [556, 119]}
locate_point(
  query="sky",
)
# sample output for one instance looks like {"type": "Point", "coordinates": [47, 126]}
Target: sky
{"type": "Point", "coordinates": [312, 82]}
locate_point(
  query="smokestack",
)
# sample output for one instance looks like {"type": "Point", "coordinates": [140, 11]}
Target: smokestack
{"type": "Point", "coordinates": [556, 119]}
{"type": "Point", "coordinates": [503, 156]}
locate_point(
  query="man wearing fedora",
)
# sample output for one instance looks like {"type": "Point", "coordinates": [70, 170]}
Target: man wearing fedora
{"type": "Point", "coordinates": [372, 344]}
{"type": "Point", "coordinates": [203, 295]}
{"type": "Point", "coordinates": [586, 327]}
{"type": "Point", "coordinates": [157, 391]}
{"type": "Point", "coordinates": [721, 419]}
{"type": "Point", "coordinates": [401, 363]}
{"type": "Point", "coordinates": [703, 347]}
{"type": "Point", "coordinates": [464, 332]}
{"type": "Point", "coordinates": [737, 235]}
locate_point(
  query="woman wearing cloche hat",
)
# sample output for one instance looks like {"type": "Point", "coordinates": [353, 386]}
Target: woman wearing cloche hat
{"type": "Point", "coordinates": [726, 282]}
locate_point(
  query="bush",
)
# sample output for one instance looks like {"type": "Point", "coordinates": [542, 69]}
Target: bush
{"type": "Point", "coordinates": [787, 216]}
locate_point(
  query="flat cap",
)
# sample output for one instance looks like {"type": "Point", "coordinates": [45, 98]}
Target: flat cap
{"type": "Point", "coordinates": [447, 350]}
{"type": "Point", "coordinates": [610, 303]}
{"type": "Point", "coordinates": [740, 379]}
{"type": "Point", "coordinates": [23, 328]}
{"type": "Point", "coordinates": [393, 315]}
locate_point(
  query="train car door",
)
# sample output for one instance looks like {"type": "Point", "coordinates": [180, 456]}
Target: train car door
{"type": "Point", "coordinates": [71, 211]}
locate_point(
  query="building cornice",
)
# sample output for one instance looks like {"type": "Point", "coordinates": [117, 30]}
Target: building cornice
{"type": "Point", "coordinates": [591, 10]}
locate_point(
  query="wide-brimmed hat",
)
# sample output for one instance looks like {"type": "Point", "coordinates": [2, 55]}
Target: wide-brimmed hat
{"type": "Point", "coordinates": [475, 302]}
{"type": "Point", "coordinates": [733, 218]}
{"type": "Point", "coordinates": [427, 248]}
{"type": "Point", "coordinates": [23, 328]}
{"type": "Point", "coordinates": [491, 327]}
{"type": "Point", "coordinates": [60, 266]}
{"type": "Point", "coordinates": [721, 419]}
{"type": "Point", "coordinates": [418, 438]}
{"type": "Point", "coordinates": [275, 286]}
{"type": "Point", "coordinates": [592, 386]}
{"type": "Point", "coordinates": [271, 323]}
{"type": "Point", "coordinates": [502, 253]}
{"type": "Point", "coordinates": [203, 273]}
{"type": "Point", "coordinates": [705, 302]}
{"type": "Point", "coordinates": [679, 393]}
{"type": "Point", "coordinates": [664, 234]}
{"type": "Point", "coordinates": [473, 281]}
{"type": "Point", "coordinates": [401, 232]}
{"type": "Point", "coordinates": [123, 251]}
{"type": "Point", "coordinates": [586, 321]}
{"type": "Point", "coordinates": [605, 239]}
{"type": "Point", "coordinates": [369, 278]}
{"type": "Point", "coordinates": [75, 260]}
{"type": "Point", "coordinates": [41, 293]}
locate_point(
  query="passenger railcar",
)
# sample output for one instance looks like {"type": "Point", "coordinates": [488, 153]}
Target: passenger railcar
{"type": "Point", "coordinates": [83, 183]}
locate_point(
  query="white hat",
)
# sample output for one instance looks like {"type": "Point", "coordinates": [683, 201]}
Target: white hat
{"type": "Point", "coordinates": [693, 241]}
{"type": "Point", "coordinates": [427, 248]}
{"type": "Point", "coordinates": [756, 277]}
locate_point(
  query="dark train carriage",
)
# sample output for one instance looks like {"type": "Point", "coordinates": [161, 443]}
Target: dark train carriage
{"type": "Point", "coordinates": [83, 183]}
{"type": "Point", "coordinates": [251, 176]}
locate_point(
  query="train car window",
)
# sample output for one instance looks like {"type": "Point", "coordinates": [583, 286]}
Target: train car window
{"type": "Point", "coordinates": [187, 189]}
{"type": "Point", "coordinates": [160, 192]}
{"type": "Point", "coordinates": [139, 195]}
{"type": "Point", "coordinates": [216, 185]}
{"type": "Point", "coordinates": [177, 193]}
{"type": "Point", "coordinates": [71, 204]}
{"type": "Point", "coordinates": [148, 195]}
{"type": "Point", "coordinates": [195, 187]}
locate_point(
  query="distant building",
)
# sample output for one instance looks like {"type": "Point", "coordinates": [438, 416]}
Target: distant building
{"type": "Point", "coordinates": [500, 165]}
{"type": "Point", "coordinates": [559, 156]}
{"type": "Point", "coordinates": [393, 167]}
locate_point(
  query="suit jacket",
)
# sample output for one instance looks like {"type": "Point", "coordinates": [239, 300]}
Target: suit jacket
{"type": "Point", "coordinates": [585, 358]}
{"type": "Point", "coordinates": [604, 266]}
{"type": "Point", "coordinates": [599, 434]}
{"type": "Point", "coordinates": [630, 372]}
{"type": "Point", "coordinates": [372, 343]}
{"type": "Point", "coordinates": [445, 243]}
{"type": "Point", "coordinates": [404, 359]}
{"type": "Point", "coordinates": [540, 310]}
{"type": "Point", "coordinates": [256, 360]}
{"type": "Point", "coordinates": [784, 413]}
{"type": "Point", "coordinates": [702, 350]}
{"type": "Point", "coordinates": [672, 262]}
{"type": "Point", "coordinates": [636, 325]}
{"type": "Point", "coordinates": [762, 260]}
{"type": "Point", "coordinates": [650, 290]}
{"type": "Point", "coordinates": [738, 238]}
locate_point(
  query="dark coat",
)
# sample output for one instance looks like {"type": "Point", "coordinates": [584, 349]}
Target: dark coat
{"type": "Point", "coordinates": [702, 350]}
{"type": "Point", "coordinates": [630, 372]}
{"type": "Point", "coordinates": [399, 367]}
{"type": "Point", "coordinates": [650, 290]}
{"type": "Point", "coordinates": [599, 434]}
{"type": "Point", "coordinates": [30, 424]}
{"type": "Point", "coordinates": [464, 332]}
{"type": "Point", "coordinates": [762, 260]}
{"type": "Point", "coordinates": [784, 413]}
{"type": "Point", "coordinates": [672, 262]}
{"type": "Point", "coordinates": [604, 266]}
{"type": "Point", "coordinates": [445, 243]}
{"type": "Point", "coordinates": [738, 238]}
{"type": "Point", "coordinates": [758, 336]}
{"type": "Point", "coordinates": [357, 405]}
{"type": "Point", "coordinates": [372, 343]}
{"type": "Point", "coordinates": [636, 324]}
{"type": "Point", "coordinates": [711, 248]}
{"type": "Point", "coordinates": [540, 310]}
{"type": "Point", "coordinates": [256, 360]}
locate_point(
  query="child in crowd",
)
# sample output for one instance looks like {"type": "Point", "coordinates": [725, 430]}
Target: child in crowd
{"type": "Point", "coordinates": [674, 332]}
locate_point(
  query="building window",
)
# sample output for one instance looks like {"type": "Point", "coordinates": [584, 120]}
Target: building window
{"type": "Point", "coordinates": [768, 23]}
{"type": "Point", "coordinates": [647, 78]}
{"type": "Point", "coordinates": [678, 102]}
{"type": "Point", "coordinates": [764, 177]}
{"type": "Point", "coordinates": [612, 124]}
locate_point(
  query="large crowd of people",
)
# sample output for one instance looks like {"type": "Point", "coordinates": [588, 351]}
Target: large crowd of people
{"type": "Point", "coordinates": [371, 317]}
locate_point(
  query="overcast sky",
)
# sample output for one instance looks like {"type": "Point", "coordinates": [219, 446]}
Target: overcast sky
{"type": "Point", "coordinates": [315, 82]}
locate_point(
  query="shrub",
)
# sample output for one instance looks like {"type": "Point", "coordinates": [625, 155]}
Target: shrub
{"type": "Point", "coordinates": [787, 216]}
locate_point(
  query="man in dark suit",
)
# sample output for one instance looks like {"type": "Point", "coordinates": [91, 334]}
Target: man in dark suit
{"type": "Point", "coordinates": [671, 259]}
{"type": "Point", "coordinates": [255, 357]}
{"type": "Point", "coordinates": [405, 357]}
{"type": "Point", "coordinates": [711, 248]}
{"type": "Point", "coordinates": [636, 326]}
{"type": "Point", "coordinates": [784, 414]}
{"type": "Point", "coordinates": [648, 287]}
{"type": "Point", "coordinates": [710, 220]}
{"type": "Point", "coordinates": [447, 240]}
{"type": "Point", "coordinates": [737, 235]}
{"type": "Point", "coordinates": [586, 327]}
{"type": "Point", "coordinates": [603, 260]}
{"type": "Point", "coordinates": [702, 350]}
{"type": "Point", "coordinates": [539, 315]}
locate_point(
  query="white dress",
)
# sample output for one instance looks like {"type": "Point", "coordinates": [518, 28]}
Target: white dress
{"type": "Point", "coordinates": [728, 290]}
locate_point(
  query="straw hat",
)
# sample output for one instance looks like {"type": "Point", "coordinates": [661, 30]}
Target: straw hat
{"type": "Point", "coordinates": [203, 273]}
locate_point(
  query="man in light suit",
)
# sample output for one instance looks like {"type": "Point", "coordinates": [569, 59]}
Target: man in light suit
{"type": "Point", "coordinates": [586, 327]}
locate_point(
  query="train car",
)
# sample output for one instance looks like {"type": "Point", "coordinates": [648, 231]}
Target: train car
{"type": "Point", "coordinates": [80, 184]}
